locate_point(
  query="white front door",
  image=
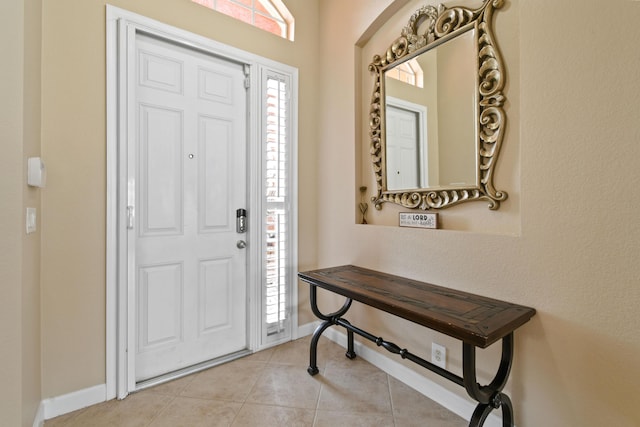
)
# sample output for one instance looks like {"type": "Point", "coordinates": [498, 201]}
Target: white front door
{"type": "Point", "coordinates": [188, 171]}
{"type": "Point", "coordinates": [402, 149]}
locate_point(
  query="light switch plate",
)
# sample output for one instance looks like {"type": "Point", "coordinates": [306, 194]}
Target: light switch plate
{"type": "Point", "coordinates": [31, 220]}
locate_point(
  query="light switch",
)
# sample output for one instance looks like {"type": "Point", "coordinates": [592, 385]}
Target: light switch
{"type": "Point", "coordinates": [31, 220]}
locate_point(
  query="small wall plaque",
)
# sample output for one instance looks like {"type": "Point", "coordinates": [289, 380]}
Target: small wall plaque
{"type": "Point", "coordinates": [418, 220]}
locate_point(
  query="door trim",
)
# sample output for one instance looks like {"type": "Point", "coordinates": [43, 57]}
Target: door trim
{"type": "Point", "coordinates": [423, 153]}
{"type": "Point", "coordinates": [121, 27]}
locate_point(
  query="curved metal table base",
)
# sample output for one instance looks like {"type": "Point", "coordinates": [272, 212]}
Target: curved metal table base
{"type": "Point", "coordinates": [489, 397]}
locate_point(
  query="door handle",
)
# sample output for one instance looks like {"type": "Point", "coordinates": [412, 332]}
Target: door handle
{"type": "Point", "coordinates": [241, 244]}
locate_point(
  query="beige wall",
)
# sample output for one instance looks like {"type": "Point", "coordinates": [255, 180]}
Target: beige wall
{"type": "Point", "coordinates": [567, 240]}
{"type": "Point", "coordinates": [74, 145]}
{"type": "Point", "coordinates": [20, 25]}
{"type": "Point", "coordinates": [475, 217]}
{"type": "Point", "coordinates": [31, 244]}
{"type": "Point", "coordinates": [457, 70]}
{"type": "Point", "coordinates": [11, 134]}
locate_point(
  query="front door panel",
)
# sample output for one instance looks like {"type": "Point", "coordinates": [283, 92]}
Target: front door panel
{"type": "Point", "coordinates": [190, 177]}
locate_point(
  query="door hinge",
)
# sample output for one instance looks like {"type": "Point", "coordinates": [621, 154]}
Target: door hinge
{"type": "Point", "coordinates": [247, 76]}
{"type": "Point", "coordinates": [130, 217]}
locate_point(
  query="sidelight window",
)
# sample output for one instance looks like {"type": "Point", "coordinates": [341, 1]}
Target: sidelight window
{"type": "Point", "coordinates": [277, 202]}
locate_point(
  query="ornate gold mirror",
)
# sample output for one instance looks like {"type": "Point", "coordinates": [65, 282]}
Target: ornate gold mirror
{"type": "Point", "coordinates": [437, 117]}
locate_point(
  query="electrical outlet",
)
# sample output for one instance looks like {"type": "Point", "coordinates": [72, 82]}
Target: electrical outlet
{"type": "Point", "coordinates": [439, 355]}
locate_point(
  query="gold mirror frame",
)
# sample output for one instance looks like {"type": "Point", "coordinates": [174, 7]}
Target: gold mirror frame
{"type": "Point", "coordinates": [443, 24]}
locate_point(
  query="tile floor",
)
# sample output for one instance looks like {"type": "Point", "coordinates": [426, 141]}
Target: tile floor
{"type": "Point", "coordinates": [272, 388]}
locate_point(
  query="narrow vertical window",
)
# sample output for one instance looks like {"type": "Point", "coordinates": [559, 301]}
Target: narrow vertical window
{"type": "Point", "coordinates": [268, 15]}
{"type": "Point", "coordinates": [277, 205]}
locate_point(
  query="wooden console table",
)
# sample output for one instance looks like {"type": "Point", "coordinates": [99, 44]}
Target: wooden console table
{"type": "Point", "coordinates": [475, 320]}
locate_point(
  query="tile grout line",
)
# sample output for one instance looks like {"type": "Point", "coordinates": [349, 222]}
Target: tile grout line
{"type": "Point", "coordinates": [315, 415]}
{"type": "Point", "coordinates": [391, 400]}
{"type": "Point", "coordinates": [275, 359]}
{"type": "Point", "coordinates": [174, 396]}
{"type": "Point", "coordinates": [164, 408]}
{"type": "Point", "coordinates": [253, 386]}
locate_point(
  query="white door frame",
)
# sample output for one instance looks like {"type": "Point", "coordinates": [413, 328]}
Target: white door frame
{"type": "Point", "coordinates": [122, 26]}
{"type": "Point", "coordinates": [423, 153]}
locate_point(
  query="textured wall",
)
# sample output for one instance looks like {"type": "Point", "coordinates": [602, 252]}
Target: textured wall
{"type": "Point", "coordinates": [31, 244]}
{"type": "Point", "coordinates": [11, 181]}
{"type": "Point", "coordinates": [20, 25]}
{"type": "Point", "coordinates": [567, 240]}
{"type": "Point", "coordinates": [74, 144]}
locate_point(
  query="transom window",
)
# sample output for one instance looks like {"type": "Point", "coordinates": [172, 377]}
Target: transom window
{"type": "Point", "coordinates": [409, 72]}
{"type": "Point", "coordinates": [268, 15]}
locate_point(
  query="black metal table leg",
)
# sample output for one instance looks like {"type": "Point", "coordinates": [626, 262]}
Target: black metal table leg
{"type": "Point", "coordinates": [329, 319]}
{"type": "Point", "coordinates": [433, 307]}
{"type": "Point", "coordinates": [489, 397]}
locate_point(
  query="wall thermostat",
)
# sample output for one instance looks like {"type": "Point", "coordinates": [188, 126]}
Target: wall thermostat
{"type": "Point", "coordinates": [36, 172]}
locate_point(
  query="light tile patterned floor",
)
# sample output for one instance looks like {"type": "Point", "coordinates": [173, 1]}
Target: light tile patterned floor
{"type": "Point", "coordinates": [272, 388]}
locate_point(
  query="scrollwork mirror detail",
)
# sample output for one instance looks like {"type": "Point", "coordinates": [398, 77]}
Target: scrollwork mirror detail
{"type": "Point", "coordinates": [441, 25]}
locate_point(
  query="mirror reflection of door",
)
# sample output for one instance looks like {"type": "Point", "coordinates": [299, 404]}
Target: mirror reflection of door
{"type": "Point", "coordinates": [406, 160]}
{"type": "Point", "coordinates": [448, 93]}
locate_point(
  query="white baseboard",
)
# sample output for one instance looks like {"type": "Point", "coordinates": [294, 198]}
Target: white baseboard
{"type": "Point", "coordinates": [38, 421]}
{"type": "Point", "coordinates": [463, 407]}
{"type": "Point", "coordinates": [307, 329]}
{"type": "Point", "coordinates": [60, 405]}
{"type": "Point", "coordinates": [459, 405]}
